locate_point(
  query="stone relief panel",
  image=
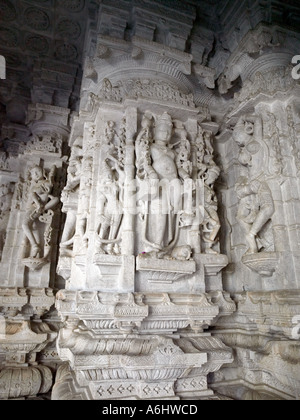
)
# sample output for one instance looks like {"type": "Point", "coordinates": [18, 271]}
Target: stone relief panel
{"type": "Point", "coordinates": [151, 192]}
{"type": "Point", "coordinates": [111, 200]}
{"type": "Point", "coordinates": [39, 207]}
{"type": "Point", "coordinates": [47, 142]}
{"type": "Point", "coordinates": [256, 204]}
{"type": "Point", "coordinates": [31, 184]}
{"type": "Point", "coordinates": [69, 197]}
{"type": "Point", "coordinates": [147, 88]}
{"type": "Point", "coordinates": [140, 249]}
{"type": "Point", "coordinates": [165, 153]}
{"type": "Point", "coordinates": [34, 218]}
{"type": "Point", "coordinates": [143, 228]}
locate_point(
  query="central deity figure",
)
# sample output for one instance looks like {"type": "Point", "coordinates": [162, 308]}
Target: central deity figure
{"type": "Point", "coordinates": [163, 211]}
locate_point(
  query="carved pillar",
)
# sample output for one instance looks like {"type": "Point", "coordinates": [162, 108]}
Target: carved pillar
{"type": "Point", "coordinates": [35, 174]}
{"type": "Point", "coordinates": [144, 263]}
{"type": "Point", "coordinates": [129, 196]}
{"type": "Point", "coordinates": [260, 158]}
{"type": "Point", "coordinates": [267, 178]}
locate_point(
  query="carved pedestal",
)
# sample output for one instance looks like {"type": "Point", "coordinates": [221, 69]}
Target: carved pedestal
{"type": "Point", "coordinates": [265, 263]}
{"type": "Point", "coordinates": [135, 346]}
{"type": "Point", "coordinates": [23, 335]}
{"type": "Point", "coordinates": [164, 272]}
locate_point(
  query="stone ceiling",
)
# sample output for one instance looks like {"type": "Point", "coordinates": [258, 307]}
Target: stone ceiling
{"type": "Point", "coordinates": [42, 34]}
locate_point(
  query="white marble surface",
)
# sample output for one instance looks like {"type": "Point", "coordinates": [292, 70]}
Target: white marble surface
{"type": "Point", "coordinates": [156, 194]}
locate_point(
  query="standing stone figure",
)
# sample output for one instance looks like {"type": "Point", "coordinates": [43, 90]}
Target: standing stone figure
{"type": "Point", "coordinates": [200, 153]}
{"type": "Point", "coordinates": [84, 201]}
{"type": "Point", "coordinates": [6, 195]}
{"type": "Point", "coordinates": [110, 214]}
{"type": "Point", "coordinates": [211, 224]}
{"type": "Point", "coordinates": [184, 154]}
{"type": "Point", "coordinates": [70, 196]}
{"type": "Point", "coordinates": [39, 203]}
{"type": "Point", "coordinates": [256, 208]}
{"type": "Point", "coordinates": [161, 225]}
{"type": "Point", "coordinates": [142, 147]}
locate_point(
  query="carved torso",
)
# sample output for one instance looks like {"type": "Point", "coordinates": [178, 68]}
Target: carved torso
{"type": "Point", "coordinates": [164, 162]}
{"type": "Point", "coordinates": [41, 189]}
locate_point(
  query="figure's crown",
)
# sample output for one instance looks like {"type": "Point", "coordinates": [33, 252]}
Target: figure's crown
{"type": "Point", "coordinates": [164, 119]}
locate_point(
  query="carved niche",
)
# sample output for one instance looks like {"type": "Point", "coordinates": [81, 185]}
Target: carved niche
{"type": "Point", "coordinates": [256, 204]}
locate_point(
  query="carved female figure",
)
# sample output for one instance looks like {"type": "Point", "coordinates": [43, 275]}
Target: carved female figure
{"type": "Point", "coordinates": [85, 195]}
{"type": "Point", "coordinates": [6, 195]}
{"type": "Point", "coordinates": [142, 147]}
{"type": "Point", "coordinates": [208, 143]}
{"type": "Point", "coordinates": [40, 201]}
{"type": "Point", "coordinates": [184, 154]}
{"type": "Point", "coordinates": [110, 213]}
{"type": "Point", "coordinates": [256, 208]}
{"type": "Point", "coordinates": [70, 195]}
{"type": "Point", "coordinates": [70, 200]}
{"type": "Point", "coordinates": [211, 224]}
{"type": "Point", "coordinates": [166, 205]}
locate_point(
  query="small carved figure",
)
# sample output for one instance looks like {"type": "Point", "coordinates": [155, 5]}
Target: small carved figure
{"type": "Point", "coordinates": [85, 195]}
{"type": "Point", "coordinates": [121, 147]}
{"type": "Point", "coordinates": [6, 195]}
{"type": "Point", "coordinates": [246, 132]}
{"type": "Point", "coordinates": [182, 253]}
{"type": "Point", "coordinates": [163, 208]}
{"type": "Point", "coordinates": [211, 224]}
{"type": "Point", "coordinates": [184, 154]}
{"type": "Point", "coordinates": [142, 147]}
{"type": "Point", "coordinates": [110, 214]}
{"type": "Point", "coordinates": [106, 90]}
{"type": "Point", "coordinates": [256, 208]}
{"type": "Point", "coordinates": [39, 203]}
{"type": "Point", "coordinates": [107, 146]}
{"type": "Point", "coordinates": [70, 195]}
{"type": "Point", "coordinates": [200, 150]}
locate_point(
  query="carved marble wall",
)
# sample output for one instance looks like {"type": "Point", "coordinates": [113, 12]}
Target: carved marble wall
{"type": "Point", "coordinates": [260, 160]}
{"type": "Point", "coordinates": [142, 257]}
{"type": "Point", "coordinates": [149, 200]}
